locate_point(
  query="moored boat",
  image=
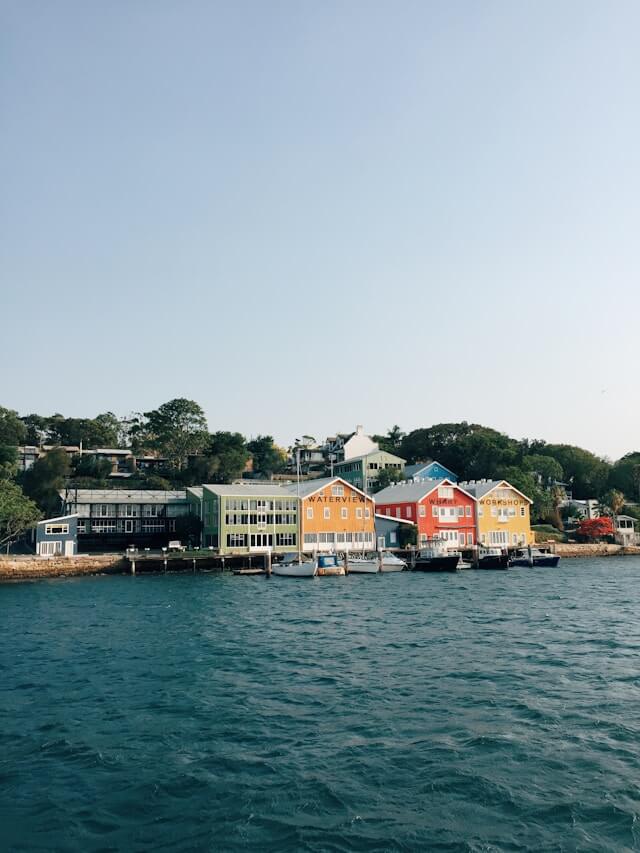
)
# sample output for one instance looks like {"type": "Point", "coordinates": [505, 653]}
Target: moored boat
{"type": "Point", "coordinates": [391, 563]}
{"type": "Point", "coordinates": [328, 564]}
{"type": "Point", "coordinates": [363, 565]}
{"type": "Point", "coordinates": [492, 558]}
{"type": "Point", "coordinates": [436, 557]}
{"type": "Point", "coordinates": [535, 557]}
{"type": "Point", "coordinates": [293, 566]}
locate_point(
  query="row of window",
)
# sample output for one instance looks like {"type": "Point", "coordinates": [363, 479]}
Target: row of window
{"type": "Point", "coordinates": [123, 525]}
{"type": "Point", "coordinates": [344, 512]}
{"type": "Point", "coordinates": [261, 540]}
{"type": "Point", "coordinates": [450, 535]}
{"type": "Point", "coordinates": [263, 519]}
{"type": "Point", "coordinates": [503, 513]}
{"type": "Point", "coordinates": [501, 537]}
{"type": "Point", "coordinates": [246, 505]}
{"type": "Point", "coordinates": [129, 510]}
{"type": "Point", "coordinates": [338, 538]}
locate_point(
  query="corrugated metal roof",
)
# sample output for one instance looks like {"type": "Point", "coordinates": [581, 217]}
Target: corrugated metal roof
{"type": "Point", "coordinates": [407, 492]}
{"type": "Point", "coordinates": [124, 496]}
{"type": "Point", "coordinates": [366, 456]}
{"type": "Point", "coordinates": [480, 488]}
{"type": "Point", "coordinates": [308, 487]}
{"type": "Point", "coordinates": [242, 489]}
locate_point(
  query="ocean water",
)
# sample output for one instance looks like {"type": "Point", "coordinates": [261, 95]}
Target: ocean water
{"type": "Point", "coordinates": [481, 711]}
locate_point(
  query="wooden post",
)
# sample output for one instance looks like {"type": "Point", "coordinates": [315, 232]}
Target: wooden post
{"type": "Point", "coordinates": [223, 564]}
{"type": "Point", "coordinates": [268, 564]}
{"type": "Point", "coordinates": [379, 561]}
{"type": "Point", "coordinates": [476, 557]}
{"type": "Point", "coordinates": [194, 564]}
{"type": "Point", "coordinates": [346, 562]}
{"type": "Point", "coordinates": [165, 565]}
{"type": "Point", "coordinates": [133, 567]}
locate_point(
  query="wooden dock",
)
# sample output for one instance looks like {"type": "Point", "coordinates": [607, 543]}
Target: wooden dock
{"type": "Point", "coordinates": [196, 561]}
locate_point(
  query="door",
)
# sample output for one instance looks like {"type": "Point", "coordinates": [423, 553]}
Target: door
{"type": "Point", "coordinates": [68, 548]}
{"type": "Point", "coordinates": [128, 525]}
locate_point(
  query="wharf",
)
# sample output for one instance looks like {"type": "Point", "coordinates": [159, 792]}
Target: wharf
{"type": "Point", "coordinates": [204, 561]}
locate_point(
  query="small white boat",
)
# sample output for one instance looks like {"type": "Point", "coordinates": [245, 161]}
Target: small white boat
{"type": "Point", "coordinates": [363, 566]}
{"type": "Point", "coordinates": [292, 566]}
{"type": "Point", "coordinates": [391, 563]}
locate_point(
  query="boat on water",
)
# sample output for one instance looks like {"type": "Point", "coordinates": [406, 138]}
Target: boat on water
{"type": "Point", "coordinates": [435, 556]}
{"type": "Point", "coordinates": [293, 566]}
{"type": "Point", "coordinates": [373, 565]}
{"type": "Point", "coordinates": [328, 564]}
{"type": "Point", "coordinates": [492, 558]}
{"type": "Point", "coordinates": [535, 557]}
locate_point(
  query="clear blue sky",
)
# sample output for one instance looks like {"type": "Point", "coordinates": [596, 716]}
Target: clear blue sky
{"type": "Point", "coordinates": [308, 215]}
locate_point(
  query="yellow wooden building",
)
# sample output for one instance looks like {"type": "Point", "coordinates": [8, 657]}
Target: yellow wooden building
{"type": "Point", "coordinates": [503, 514]}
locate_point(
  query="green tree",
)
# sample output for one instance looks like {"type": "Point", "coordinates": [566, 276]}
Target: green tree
{"type": "Point", "coordinates": [44, 481]}
{"type": "Point", "coordinates": [392, 441]}
{"type": "Point", "coordinates": [12, 430]}
{"type": "Point", "coordinates": [546, 468]}
{"type": "Point", "coordinates": [101, 431]}
{"type": "Point", "coordinates": [37, 429]}
{"type": "Point", "coordinates": [611, 502]}
{"type": "Point", "coordinates": [625, 475]}
{"type": "Point", "coordinates": [17, 512]}
{"type": "Point", "coordinates": [386, 477]}
{"type": "Point", "coordinates": [587, 473]}
{"type": "Point", "coordinates": [8, 462]}
{"type": "Point", "coordinates": [92, 468]}
{"type": "Point", "coordinates": [176, 429]}
{"type": "Point", "coordinates": [268, 459]}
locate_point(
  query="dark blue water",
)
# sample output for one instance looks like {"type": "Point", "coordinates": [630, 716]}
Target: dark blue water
{"type": "Point", "coordinates": [478, 711]}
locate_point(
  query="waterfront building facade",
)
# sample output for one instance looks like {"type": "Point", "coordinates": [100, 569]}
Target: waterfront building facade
{"type": "Point", "coordinates": [503, 513]}
{"type": "Point", "coordinates": [334, 516]}
{"type": "Point", "coordinates": [115, 519]}
{"type": "Point", "coordinates": [439, 508]}
{"type": "Point", "coordinates": [363, 471]}
{"type": "Point", "coordinates": [432, 470]}
{"type": "Point", "coordinates": [246, 518]}
{"type": "Point", "coordinates": [389, 531]}
{"type": "Point", "coordinates": [57, 537]}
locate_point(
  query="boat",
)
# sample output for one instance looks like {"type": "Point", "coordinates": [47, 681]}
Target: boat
{"type": "Point", "coordinates": [363, 565]}
{"type": "Point", "coordinates": [293, 566]}
{"type": "Point", "coordinates": [373, 565]}
{"type": "Point", "coordinates": [492, 558]}
{"type": "Point", "coordinates": [534, 557]}
{"type": "Point", "coordinates": [436, 557]}
{"type": "Point", "coordinates": [328, 564]}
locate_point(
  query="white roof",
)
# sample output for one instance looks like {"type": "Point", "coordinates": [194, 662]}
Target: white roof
{"type": "Point", "coordinates": [309, 487]}
{"type": "Point", "coordinates": [384, 517]}
{"type": "Point", "coordinates": [58, 518]}
{"type": "Point", "coordinates": [481, 488]}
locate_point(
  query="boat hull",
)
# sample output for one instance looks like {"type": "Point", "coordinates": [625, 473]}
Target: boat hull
{"type": "Point", "coordinates": [498, 562]}
{"type": "Point", "coordinates": [295, 570]}
{"type": "Point", "coordinates": [447, 563]}
{"type": "Point", "coordinates": [329, 571]}
{"type": "Point", "coordinates": [363, 567]}
{"type": "Point", "coordinates": [549, 562]}
{"type": "Point", "coordinates": [393, 567]}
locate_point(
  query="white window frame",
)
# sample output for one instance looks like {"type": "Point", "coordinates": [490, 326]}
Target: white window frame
{"type": "Point", "coordinates": [309, 512]}
{"type": "Point", "coordinates": [56, 530]}
{"type": "Point", "coordinates": [326, 513]}
{"type": "Point", "coordinates": [337, 491]}
{"type": "Point", "coordinates": [344, 512]}
{"type": "Point", "coordinates": [422, 510]}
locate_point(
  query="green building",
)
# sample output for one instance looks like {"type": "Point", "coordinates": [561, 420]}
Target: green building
{"type": "Point", "coordinates": [362, 471]}
{"type": "Point", "coordinates": [246, 518]}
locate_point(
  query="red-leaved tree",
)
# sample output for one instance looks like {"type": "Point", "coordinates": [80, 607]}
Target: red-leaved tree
{"type": "Point", "coordinates": [596, 528]}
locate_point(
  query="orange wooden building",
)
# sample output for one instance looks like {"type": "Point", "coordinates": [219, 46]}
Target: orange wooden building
{"type": "Point", "coordinates": [335, 516]}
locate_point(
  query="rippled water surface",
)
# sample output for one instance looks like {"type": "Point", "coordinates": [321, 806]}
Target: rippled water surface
{"type": "Point", "coordinates": [477, 711]}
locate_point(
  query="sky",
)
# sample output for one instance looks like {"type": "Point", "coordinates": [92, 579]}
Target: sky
{"type": "Point", "coordinates": [311, 215]}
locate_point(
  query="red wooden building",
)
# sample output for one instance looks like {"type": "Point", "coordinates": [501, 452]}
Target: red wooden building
{"type": "Point", "coordinates": [439, 508]}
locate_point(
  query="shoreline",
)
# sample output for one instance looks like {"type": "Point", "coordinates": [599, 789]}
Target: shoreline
{"type": "Point", "coordinates": [21, 568]}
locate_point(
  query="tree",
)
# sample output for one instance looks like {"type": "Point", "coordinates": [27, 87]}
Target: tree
{"type": "Point", "coordinates": [547, 469]}
{"type": "Point", "coordinates": [223, 460]}
{"type": "Point", "coordinates": [17, 512]}
{"type": "Point", "coordinates": [587, 473]}
{"type": "Point", "coordinates": [101, 431]}
{"type": "Point", "coordinates": [385, 478]}
{"type": "Point", "coordinates": [268, 459]}
{"type": "Point", "coordinates": [37, 429]}
{"type": "Point", "coordinates": [625, 475]}
{"type": "Point", "coordinates": [595, 528]}
{"type": "Point", "coordinates": [177, 429]}
{"type": "Point", "coordinates": [612, 502]}
{"type": "Point", "coordinates": [8, 462]}
{"type": "Point", "coordinates": [392, 441]}
{"type": "Point", "coordinates": [93, 468]}
{"type": "Point", "coordinates": [44, 481]}
{"type": "Point", "coordinates": [407, 535]}
{"type": "Point", "coordinates": [12, 430]}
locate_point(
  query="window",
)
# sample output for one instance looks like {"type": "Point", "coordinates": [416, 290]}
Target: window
{"type": "Point", "coordinates": [480, 512]}
{"type": "Point", "coordinates": [409, 512]}
{"type": "Point", "coordinates": [467, 511]}
{"type": "Point", "coordinates": [337, 491]}
{"type": "Point", "coordinates": [461, 538]}
{"type": "Point", "coordinates": [514, 538]}
{"type": "Point", "coordinates": [445, 492]}
{"type": "Point", "coordinates": [460, 511]}
{"type": "Point", "coordinates": [435, 512]}
{"type": "Point", "coordinates": [422, 510]}
{"type": "Point", "coordinates": [423, 538]}
{"type": "Point", "coordinates": [398, 512]}
{"type": "Point", "coordinates": [236, 540]}
{"type": "Point", "coordinates": [81, 526]}
{"type": "Point", "coordinates": [261, 540]}
{"type": "Point", "coordinates": [49, 549]}
{"type": "Point", "coordinates": [310, 538]}
{"type": "Point", "coordinates": [99, 525]}
{"type": "Point", "coordinates": [367, 513]}
{"type": "Point", "coordinates": [153, 525]}
{"type": "Point", "coordinates": [494, 511]}
{"type": "Point", "coordinates": [309, 512]}
{"type": "Point", "coordinates": [499, 537]}
{"type": "Point", "coordinates": [344, 512]}
{"type": "Point", "coordinates": [150, 510]}
{"type": "Point", "coordinates": [522, 512]}
{"type": "Point", "coordinates": [483, 538]}
{"type": "Point", "coordinates": [326, 513]}
{"type": "Point", "coordinates": [56, 529]}
{"type": "Point", "coordinates": [469, 538]}
{"type": "Point", "coordinates": [359, 512]}
{"type": "Point", "coordinates": [393, 539]}
{"type": "Point", "coordinates": [285, 539]}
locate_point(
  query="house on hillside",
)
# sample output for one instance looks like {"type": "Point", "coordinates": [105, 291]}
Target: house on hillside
{"type": "Point", "coordinates": [363, 471]}
{"type": "Point", "coordinates": [431, 470]}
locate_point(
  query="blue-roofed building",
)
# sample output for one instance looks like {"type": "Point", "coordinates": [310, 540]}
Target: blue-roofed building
{"type": "Point", "coordinates": [428, 471]}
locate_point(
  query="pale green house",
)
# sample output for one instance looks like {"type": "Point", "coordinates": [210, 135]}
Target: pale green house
{"type": "Point", "coordinates": [362, 471]}
{"type": "Point", "coordinates": [246, 518]}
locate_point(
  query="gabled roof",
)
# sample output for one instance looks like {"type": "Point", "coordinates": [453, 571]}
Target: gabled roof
{"type": "Point", "coordinates": [309, 487]}
{"type": "Point", "coordinates": [412, 470]}
{"type": "Point", "coordinates": [366, 456]}
{"type": "Point", "coordinates": [482, 487]}
{"type": "Point", "coordinates": [58, 518]}
{"type": "Point", "coordinates": [413, 492]}
{"type": "Point", "coordinates": [383, 517]}
{"type": "Point", "coordinates": [196, 491]}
